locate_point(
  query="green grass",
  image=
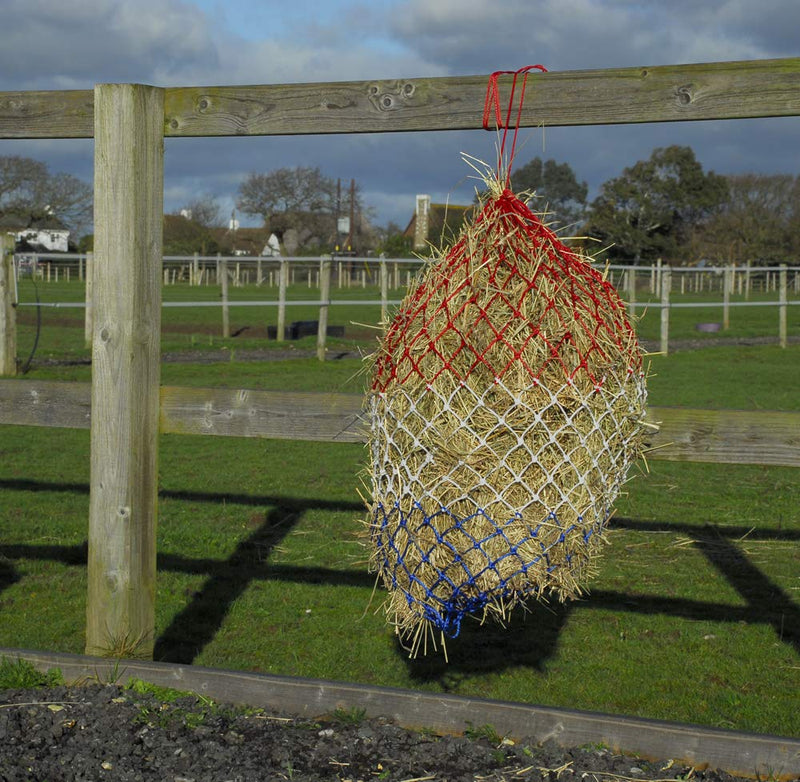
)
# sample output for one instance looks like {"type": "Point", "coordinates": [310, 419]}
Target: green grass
{"type": "Point", "coordinates": [693, 614]}
{"type": "Point", "coordinates": [61, 334]}
{"type": "Point", "coordinates": [21, 674]}
{"type": "Point", "coordinates": [763, 377]}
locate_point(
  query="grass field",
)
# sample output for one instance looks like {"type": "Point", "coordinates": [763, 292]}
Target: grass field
{"type": "Point", "coordinates": [694, 614]}
{"type": "Point", "coordinates": [61, 332]}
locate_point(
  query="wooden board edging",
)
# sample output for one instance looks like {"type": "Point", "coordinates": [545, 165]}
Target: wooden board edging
{"type": "Point", "coordinates": [716, 436]}
{"type": "Point", "coordinates": [739, 753]}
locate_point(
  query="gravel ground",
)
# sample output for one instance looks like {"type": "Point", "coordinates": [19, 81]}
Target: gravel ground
{"type": "Point", "coordinates": [107, 732]}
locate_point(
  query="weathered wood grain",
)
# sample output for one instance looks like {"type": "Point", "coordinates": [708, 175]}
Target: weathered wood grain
{"type": "Point", "coordinates": [8, 316]}
{"type": "Point", "coordinates": [282, 415]}
{"type": "Point", "coordinates": [666, 287]}
{"type": "Point", "coordinates": [88, 315]}
{"type": "Point", "coordinates": [126, 291]}
{"type": "Point", "coordinates": [283, 281]}
{"type": "Point", "coordinates": [664, 93]}
{"type": "Point", "coordinates": [726, 436]}
{"type": "Point", "coordinates": [720, 436]}
{"type": "Point", "coordinates": [222, 266]}
{"type": "Point", "coordinates": [48, 403]}
{"type": "Point", "coordinates": [672, 93]}
{"type": "Point", "coordinates": [47, 114]}
{"type": "Point", "coordinates": [324, 301]}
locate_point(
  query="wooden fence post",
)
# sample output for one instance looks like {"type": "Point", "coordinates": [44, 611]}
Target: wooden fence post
{"type": "Point", "coordinates": [747, 281]}
{"type": "Point", "coordinates": [283, 274]}
{"type": "Point", "coordinates": [657, 288]}
{"type": "Point", "coordinates": [8, 315]}
{"type": "Point", "coordinates": [666, 286]}
{"type": "Point", "coordinates": [727, 286]}
{"type": "Point", "coordinates": [783, 298]}
{"type": "Point", "coordinates": [129, 212]}
{"type": "Point", "coordinates": [384, 272]}
{"type": "Point", "coordinates": [324, 302]}
{"type": "Point", "coordinates": [226, 320]}
{"type": "Point", "coordinates": [88, 313]}
{"type": "Point", "coordinates": [631, 286]}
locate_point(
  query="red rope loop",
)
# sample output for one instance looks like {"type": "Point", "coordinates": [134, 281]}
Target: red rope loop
{"type": "Point", "coordinates": [491, 106]}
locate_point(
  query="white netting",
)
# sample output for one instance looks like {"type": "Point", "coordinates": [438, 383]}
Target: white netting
{"type": "Point", "coordinates": [484, 497]}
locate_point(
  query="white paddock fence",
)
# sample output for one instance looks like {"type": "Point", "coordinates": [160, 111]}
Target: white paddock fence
{"type": "Point", "coordinates": [643, 286]}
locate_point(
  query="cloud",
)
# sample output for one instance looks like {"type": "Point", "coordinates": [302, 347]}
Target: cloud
{"type": "Point", "coordinates": [484, 35]}
{"type": "Point", "coordinates": [49, 44]}
{"type": "Point", "coordinates": [52, 44]}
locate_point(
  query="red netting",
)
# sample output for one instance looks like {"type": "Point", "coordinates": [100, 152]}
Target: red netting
{"type": "Point", "coordinates": [579, 318]}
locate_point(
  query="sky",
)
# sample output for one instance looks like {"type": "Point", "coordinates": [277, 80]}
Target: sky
{"type": "Point", "coordinates": [73, 44]}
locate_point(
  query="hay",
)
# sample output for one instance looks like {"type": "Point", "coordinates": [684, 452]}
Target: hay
{"type": "Point", "coordinates": [506, 409]}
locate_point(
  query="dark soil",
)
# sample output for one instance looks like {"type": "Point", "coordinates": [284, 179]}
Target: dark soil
{"type": "Point", "coordinates": [107, 732]}
{"type": "Point", "coordinates": [334, 352]}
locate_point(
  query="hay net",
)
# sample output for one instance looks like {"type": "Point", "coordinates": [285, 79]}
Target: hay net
{"type": "Point", "coordinates": [505, 410]}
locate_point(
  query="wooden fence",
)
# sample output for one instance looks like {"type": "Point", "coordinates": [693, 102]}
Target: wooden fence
{"type": "Point", "coordinates": [128, 408]}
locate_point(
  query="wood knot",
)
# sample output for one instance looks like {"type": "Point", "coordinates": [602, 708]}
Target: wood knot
{"type": "Point", "coordinates": [390, 95]}
{"type": "Point", "coordinates": [684, 94]}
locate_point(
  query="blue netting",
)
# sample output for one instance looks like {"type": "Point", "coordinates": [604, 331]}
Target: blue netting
{"type": "Point", "coordinates": [452, 592]}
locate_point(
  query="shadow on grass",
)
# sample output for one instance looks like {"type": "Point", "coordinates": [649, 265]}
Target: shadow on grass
{"type": "Point", "coordinates": [297, 504]}
{"type": "Point", "coordinates": [530, 640]}
{"type": "Point", "coordinates": [198, 623]}
{"type": "Point", "coordinates": [8, 575]}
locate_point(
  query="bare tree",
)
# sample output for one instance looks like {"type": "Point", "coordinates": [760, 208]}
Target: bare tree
{"type": "Point", "coordinates": [205, 210]}
{"type": "Point", "coordinates": [756, 221]}
{"type": "Point", "coordinates": [290, 197]}
{"type": "Point", "coordinates": [29, 191]}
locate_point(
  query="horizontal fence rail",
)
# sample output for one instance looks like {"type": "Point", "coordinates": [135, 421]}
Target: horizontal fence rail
{"type": "Point", "coordinates": [663, 93]}
{"type": "Point", "coordinates": [720, 436]}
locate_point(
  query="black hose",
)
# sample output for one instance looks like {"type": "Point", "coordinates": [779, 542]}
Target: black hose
{"type": "Point", "coordinates": [27, 365]}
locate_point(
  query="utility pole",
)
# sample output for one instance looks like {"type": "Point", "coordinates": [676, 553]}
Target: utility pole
{"type": "Point", "coordinates": [352, 213]}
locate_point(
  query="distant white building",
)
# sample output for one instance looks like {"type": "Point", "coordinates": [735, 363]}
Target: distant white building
{"type": "Point", "coordinates": [54, 240]}
{"type": "Point", "coordinates": [45, 234]}
{"type": "Point", "coordinates": [272, 249]}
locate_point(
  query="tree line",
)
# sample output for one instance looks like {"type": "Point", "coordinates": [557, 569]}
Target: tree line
{"type": "Point", "coordinates": [668, 207]}
{"type": "Point", "coordinates": [664, 207]}
{"type": "Point", "coordinates": [30, 194]}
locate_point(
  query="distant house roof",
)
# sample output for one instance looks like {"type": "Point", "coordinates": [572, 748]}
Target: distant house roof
{"type": "Point", "coordinates": [21, 221]}
{"type": "Point", "coordinates": [244, 240]}
{"type": "Point", "coordinates": [444, 223]}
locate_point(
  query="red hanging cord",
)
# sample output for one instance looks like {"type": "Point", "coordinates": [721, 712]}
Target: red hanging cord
{"type": "Point", "coordinates": [492, 104]}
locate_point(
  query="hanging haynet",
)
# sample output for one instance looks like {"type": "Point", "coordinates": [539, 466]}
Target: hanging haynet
{"type": "Point", "coordinates": [506, 407]}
